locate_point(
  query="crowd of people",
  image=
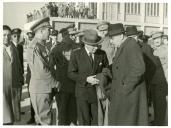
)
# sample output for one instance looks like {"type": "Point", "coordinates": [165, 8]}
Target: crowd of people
{"type": "Point", "coordinates": [110, 75]}
{"type": "Point", "coordinates": [67, 10]}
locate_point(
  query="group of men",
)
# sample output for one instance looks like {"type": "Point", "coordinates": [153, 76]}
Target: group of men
{"type": "Point", "coordinates": [12, 74]}
{"type": "Point", "coordinates": [110, 77]}
{"type": "Point", "coordinates": [66, 10]}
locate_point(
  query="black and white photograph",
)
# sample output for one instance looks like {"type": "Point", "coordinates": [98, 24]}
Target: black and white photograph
{"type": "Point", "coordinates": [85, 63]}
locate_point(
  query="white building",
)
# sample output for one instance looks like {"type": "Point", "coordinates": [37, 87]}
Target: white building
{"type": "Point", "coordinates": [146, 16]}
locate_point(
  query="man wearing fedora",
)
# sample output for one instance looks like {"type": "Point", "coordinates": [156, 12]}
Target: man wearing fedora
{"type": "Point", "coordinates": [42, 81]}
{"type": "Point", "coordinates": [60, 57]}
{"type": "Point", "coordinates": [159, 85]}
{"type": "Point", "coordinates": [148, 56]}
{"type": "Point", "coordinates": [128, 104]}
{"type": "Point", "coordinates": [84, 64]}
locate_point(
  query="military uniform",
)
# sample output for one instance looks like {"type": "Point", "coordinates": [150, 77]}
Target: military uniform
{"type": "Point", "coordinates": [42, 81]}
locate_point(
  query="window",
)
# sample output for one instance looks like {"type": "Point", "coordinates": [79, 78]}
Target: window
{"type": "Point", "coordinates": [132, 8]}
{"type": "Point", "coordinates": [165, 10]}
{"type": "Point", "coordinates": [152, 9]}
{"type": "Point", "coordinates": [119, 8]}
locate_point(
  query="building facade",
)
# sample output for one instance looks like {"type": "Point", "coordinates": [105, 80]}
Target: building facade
{"type": "Point", "coordinates": [146, 16]}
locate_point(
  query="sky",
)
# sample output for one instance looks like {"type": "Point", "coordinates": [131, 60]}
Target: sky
{"type": "Point", "coordinates": [14, 13]}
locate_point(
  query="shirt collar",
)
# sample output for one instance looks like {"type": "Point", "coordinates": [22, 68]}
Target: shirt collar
{"type": "Point", "coordinates": [88, 52]}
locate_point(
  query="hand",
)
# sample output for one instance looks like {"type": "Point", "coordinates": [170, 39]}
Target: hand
{"type": "Point", "coordinates": [92, 80]}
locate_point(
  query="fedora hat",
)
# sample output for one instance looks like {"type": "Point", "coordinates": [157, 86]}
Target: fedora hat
{"type": "Point", "coordinates": [63, 30]}
{"type": "Point", "coordinates": [91, 37]}
{"type": "Point", "coordinates": [131, 30]}
{"type": "Point", "coordinates": [116, 29]}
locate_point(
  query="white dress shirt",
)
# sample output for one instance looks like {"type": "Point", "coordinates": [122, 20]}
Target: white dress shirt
{"type": "Point", "coordinates": [88, 53]}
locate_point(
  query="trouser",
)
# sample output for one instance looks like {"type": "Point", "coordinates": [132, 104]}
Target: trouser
{"type": "Point", "coordinates": [87, 112]}
{"type": "Point", "coordinates": [32, 111]}
{"type": "Point", "coordinates": [42, 105]}
{"type": "Point", "coordinates": [67, 109]}
{"type": "Point", "coordinates": [103, 108]}
{"type": "Point", "coordinates": [16, 99]}
{"type": "Point", "coordinates": [159, 103]}
{"type": "Point", "coordinates": [58, 99]}
{"type": "Point", "coordinates": [31, 106]}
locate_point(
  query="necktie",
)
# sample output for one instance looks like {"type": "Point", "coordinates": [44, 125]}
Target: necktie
{"type": "Point", "coordinates": [91, 58]}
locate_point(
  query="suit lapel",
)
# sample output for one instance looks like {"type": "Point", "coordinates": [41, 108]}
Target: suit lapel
{"type": "Point", "coordinates": [13, 53]}
{"type": "Point", "coordinates": [86, 59]}
{"type": "Point", "coordinates": [96, 60]}
{"type": "Point", "coordinates": [119, 51]}
{"type": "Point", "coordinates": [6, 55]}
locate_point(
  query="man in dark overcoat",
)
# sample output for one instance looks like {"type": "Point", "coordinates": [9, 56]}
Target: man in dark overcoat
{"type": "Point", "coordinates": [159, 85]}
{"type": "Point", "coordinates": [16, 40]}
{"type": "Point", "coordinates": [148, 56]}
{"type": "Point", "coordinates": [17, 73]}
{"type": "Point", "coordinates": [84, 64]}
{"type": "Point", "coordinates": [128, 90]}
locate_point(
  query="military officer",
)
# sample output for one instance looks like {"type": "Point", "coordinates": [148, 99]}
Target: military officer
{"type": "Point", "coordinates": [128, 104]}
{"type": "Point", "coordinates": [42, 81]}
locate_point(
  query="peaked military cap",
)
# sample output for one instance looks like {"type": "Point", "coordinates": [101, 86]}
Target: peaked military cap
{"type": "Point", "coordinates": [103, 25]}
{"type": "Point", "coordinates": [16, 31]}
{"type": "Point", "coordinates": [40, 24]}
{"type": "Point", "coordinates": [157, 34]}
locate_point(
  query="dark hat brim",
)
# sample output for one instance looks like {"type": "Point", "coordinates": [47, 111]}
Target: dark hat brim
{"type": "Point", "coordinates": [130, 34]}
{"type": "Point", "coordinates": [115, 34]}
{"type": "Point", "coordinates": [99, 41]}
